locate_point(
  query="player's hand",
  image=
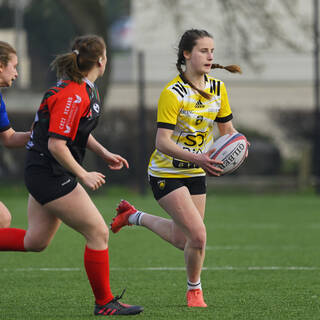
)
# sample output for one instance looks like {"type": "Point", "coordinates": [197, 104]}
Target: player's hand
{"type": "Point", "coordinates": [93, 180]}
{"type": "Point", "coordinates": [209, 165]}
{"type": "Point", "coordinates": [116, 162]}
{"type": "Point", "coordinates": [248, 145]}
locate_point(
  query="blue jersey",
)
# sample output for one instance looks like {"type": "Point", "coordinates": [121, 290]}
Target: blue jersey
{"type": "Point", "coordinates": [4, 120]}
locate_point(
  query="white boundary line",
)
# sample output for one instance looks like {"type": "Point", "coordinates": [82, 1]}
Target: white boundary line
{"type": "Point", "coordinates": [222, 268]}
{"type": "Point", "coordinates": [251, 247]}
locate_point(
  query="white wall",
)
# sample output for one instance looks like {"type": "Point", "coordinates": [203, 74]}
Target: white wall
{"type": "Point", "coordinates": [10, 36]}
{"type": "Point", "coordinates": [283, 79]}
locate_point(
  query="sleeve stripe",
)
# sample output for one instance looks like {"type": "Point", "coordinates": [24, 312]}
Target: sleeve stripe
{"type": "Point", "coordinates": [165, 125]}
{"type": "Point", "coordinates": [224, 119]}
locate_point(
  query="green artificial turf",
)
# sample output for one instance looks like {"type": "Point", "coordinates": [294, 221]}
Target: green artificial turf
{"type": "Point", "coordinates": [262, 262]}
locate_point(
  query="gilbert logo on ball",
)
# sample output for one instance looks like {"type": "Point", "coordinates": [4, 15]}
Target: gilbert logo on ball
{"type": "Point", "coordinates": [231, 149]}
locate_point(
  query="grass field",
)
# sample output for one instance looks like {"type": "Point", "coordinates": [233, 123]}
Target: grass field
{"type": "Point", "coordinates": [262, 262]}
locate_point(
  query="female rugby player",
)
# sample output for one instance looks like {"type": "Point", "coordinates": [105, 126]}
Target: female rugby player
{"type": "Point", "coordinates": [68, 113]}
{"type": "Point", "coordinates": [187, 109]}
{"type": "Point", "coordinates": [8, 136]}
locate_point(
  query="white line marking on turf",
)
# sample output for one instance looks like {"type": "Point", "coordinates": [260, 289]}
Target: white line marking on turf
{"type": "Point", "coordinates": [251, 247]}
{"type": "Point", "coordinates": [248, 226]}
{"type": "Point", "coordinates": [40, 269]}
{"type": "Point", "coordinates": [222, 268]}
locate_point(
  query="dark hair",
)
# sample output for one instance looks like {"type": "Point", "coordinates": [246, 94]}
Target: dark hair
{"type": "Point", "coordinates": [86, 51]}
{"type": "Point", "coordinates": [187, 42]}
{"type": "Point", "coordinates": [5, 50]}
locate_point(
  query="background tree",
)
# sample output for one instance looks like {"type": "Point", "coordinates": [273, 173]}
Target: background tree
{"type": "Point", "coordinates": [247, 27]}
{"type": "Point", "coordinates": [51, 25]}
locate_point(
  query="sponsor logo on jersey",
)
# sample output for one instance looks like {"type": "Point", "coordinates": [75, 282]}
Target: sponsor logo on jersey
{"type": "Point", "coordinates": [66, 182]}
{"type": "Point", "coordinates": [187, 112]}
{"type": "Point", "coordinates": [68, 129]}
{"type": "Point", "coordinates": [199, 104]}
{"type": "Point", "coordinates": [199, 120]}
{"type": "Point", "coordinates": [68, 105]}
{"type": "Point", "coordinates": [96, 108]}
{"type": "Point", "coordinates": [78, 99]}
{"type": "Point", "coordinates": [161, 184]}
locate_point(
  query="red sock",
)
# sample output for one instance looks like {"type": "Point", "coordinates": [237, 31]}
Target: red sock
{"type": "Point", "coordinates": [96, 263]}
{"type": "Point", "coordinates": [12, 239]}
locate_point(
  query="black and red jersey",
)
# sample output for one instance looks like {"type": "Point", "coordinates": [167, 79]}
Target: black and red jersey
{"type": "Point", "coordinates": [68, 111]}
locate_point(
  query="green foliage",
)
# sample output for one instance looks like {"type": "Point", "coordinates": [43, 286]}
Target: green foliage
{"type": "Point", "coordinates": [243, 231]}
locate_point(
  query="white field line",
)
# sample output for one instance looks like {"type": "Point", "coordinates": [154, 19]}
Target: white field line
{"type": "Point", "coordinates": [251, 247]}
{"type": "Point", "coordinates": [222, 268]}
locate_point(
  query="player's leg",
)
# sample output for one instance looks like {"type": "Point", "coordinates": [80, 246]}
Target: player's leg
{"type": "Point", "coordinates": [77, 210]}
{"type": "Point", "coordinates": [41, 229]}
{"type": "Point", "coordinates": [42, 226]}
{"type": "Point", "coordinates": [167, 229]}
{"type": "Point", "coordinates": [194, 292]}
{"type": "Point", "coordinates": [5, 216]}
{"type": "Point", "coordinates": [181, 208]}
{"type": "Point", "coordinates": [127, 214]}
{"type": "Point", "coordinates": [188, 211]}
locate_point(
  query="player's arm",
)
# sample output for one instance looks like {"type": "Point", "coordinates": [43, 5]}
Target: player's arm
{"type": "Point", "coordinates": [115, 161]}
{"type": "Point", "coordinates": [13, 139]}
{"type": "Point", "coordinates": [166, 145]}
{"type": "Point", "coordinates": [226, 128]}
{"type": "Point", "coordinates": [60, 151]}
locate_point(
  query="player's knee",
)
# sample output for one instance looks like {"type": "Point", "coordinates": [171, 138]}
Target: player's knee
{"type": "Point", "coordinates": [100, 235]}
{"type": "Point", "coordinates": [199, 238]}
{"type": "Point", "coordinates": [35, 243]}
{"type": "Point", "coordinates": [35, 247]}
{"type": "Point", "coordinates": [180, 243]}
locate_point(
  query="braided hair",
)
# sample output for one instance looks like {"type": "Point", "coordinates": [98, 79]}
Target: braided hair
{"type": "Point", "coordinates": [187, 42]}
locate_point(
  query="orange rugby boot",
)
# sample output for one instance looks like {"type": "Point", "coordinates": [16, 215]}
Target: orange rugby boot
{"type": "Point", "coordinates": [195, 298]}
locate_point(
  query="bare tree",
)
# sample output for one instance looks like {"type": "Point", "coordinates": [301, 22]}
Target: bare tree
{"type": "Point", "coordinates": [252, 25]}
{"type": "Point", "coordinates": [89, 16]}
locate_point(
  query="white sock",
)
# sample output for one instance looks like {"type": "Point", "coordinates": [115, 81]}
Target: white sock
{"type": "Point", "coordinates": [194, 285]}
{"type": "Point", "coordinates": [135, 218]}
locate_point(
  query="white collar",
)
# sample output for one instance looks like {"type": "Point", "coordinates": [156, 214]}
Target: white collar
{"type": "Point", "coordinates": [88, 82]}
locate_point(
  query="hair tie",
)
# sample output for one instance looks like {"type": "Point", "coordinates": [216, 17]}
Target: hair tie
{"type": "Point", "coordinates": [76, 52]}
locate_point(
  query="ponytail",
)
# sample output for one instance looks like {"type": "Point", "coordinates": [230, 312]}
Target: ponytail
{"type": "Point", "coordinates": [233, 68]}
{"type": "Point", "coordinates": [66, 66]}
{"type": "Point", "coordinates": [86, 52]}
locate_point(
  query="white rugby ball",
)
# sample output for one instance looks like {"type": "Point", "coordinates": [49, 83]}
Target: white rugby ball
{"type": "Point", "coordinates": [231, 149]}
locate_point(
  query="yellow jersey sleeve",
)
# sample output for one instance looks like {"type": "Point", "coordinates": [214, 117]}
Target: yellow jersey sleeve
{"type": "Point", "coordinates": [225, 113]}
{"type": "Point", "coordinates": [168, 110]}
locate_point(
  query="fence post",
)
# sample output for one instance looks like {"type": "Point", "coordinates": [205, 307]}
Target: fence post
{"type": "Point", "coordinates": [142, 144]}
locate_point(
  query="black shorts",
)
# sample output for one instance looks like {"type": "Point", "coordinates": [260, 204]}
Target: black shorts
{"type": "Point", "coordinates": [42, 183]}
{"type": "Point", "coordinates": [162, 186]}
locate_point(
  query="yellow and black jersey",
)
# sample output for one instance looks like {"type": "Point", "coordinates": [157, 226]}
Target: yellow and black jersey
{"type": "Point", "coordinates": [191, 117]}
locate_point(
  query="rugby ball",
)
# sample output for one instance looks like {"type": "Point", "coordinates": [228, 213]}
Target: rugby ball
{"type": "Point", "coordinates": [231, 149]}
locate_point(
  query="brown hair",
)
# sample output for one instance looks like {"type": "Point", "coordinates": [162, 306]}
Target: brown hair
{"type": "Point", "coordinates": [187, 42]}
{"type": "Point", "coordinates": [5, 50]}
{"type": "Point", "coordinates": [86, 51]}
